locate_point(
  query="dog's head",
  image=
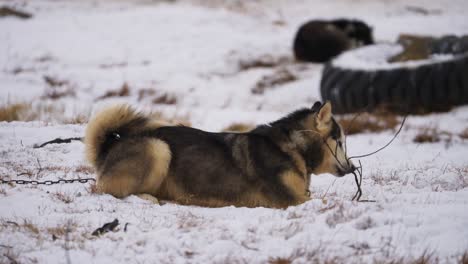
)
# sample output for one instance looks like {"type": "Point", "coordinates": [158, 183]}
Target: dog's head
{"type": "Point", "coordinates": [362, 32]}
{"type": "Point", "coordinates": [321, 140]}
{"type": "Point", "coordinates": [357, 30]}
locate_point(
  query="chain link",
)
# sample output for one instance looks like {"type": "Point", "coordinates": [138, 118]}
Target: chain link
{"type": "Point", "coordinates": [48, 182]}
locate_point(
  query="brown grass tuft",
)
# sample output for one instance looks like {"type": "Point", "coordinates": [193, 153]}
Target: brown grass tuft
{"type": "Point", "coordinates": [61, 230]}
{"type": "Point", "coordinates": [464, 134]}
{"type": "Point", "coordinates": [279, 77]}
{"type": "Point", "coordinates": [173, 120]}
{"type": "Point", "coordinates": [165, 99]}
{"type": "Point", "coordinates": [121, 92]}
{"type": "Point", "coordinates": [113, 65]}
{"type": "Point", "coordinates": [238, 127]}
{"type": "Point", "coordinates": [30, 227]}
{"type": "Point", "coordinates": [427, 135]}
{"type": "Point", "coordinates": [143, 93]}
{"type": "Point", "coordinates": [426, 258]}
{"type": "Point", "coordinates": [84, 169]}
{"type": "Point", "coordinates": [13, 112]}
{"type": "Point", "coordinates": [61, 196]}
{"type": "Point", "coordinates": [55, 93]}
{"type": "Point", "coordinates": [367, 122]}
{"type": "Point", "coordinates": [92, 189]}
{"type": "Point", "coordinates": [8, 11]}
{"type": "Point", "coordinates": [264, 61]}
{"type": "Point", "coordinates": [29, 111]}
{"type": "Point", "coordinates": [279, 261]}
{"type": "Point", "coordinates": [54, 82]}
{"type": "Point", "coordinates": [79, 119]}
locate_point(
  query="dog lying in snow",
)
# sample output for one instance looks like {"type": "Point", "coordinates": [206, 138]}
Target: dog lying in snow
{"type": "Point", "coordinates": [321, 40]}
{"type": "Point", "coordinates": [269, 166]}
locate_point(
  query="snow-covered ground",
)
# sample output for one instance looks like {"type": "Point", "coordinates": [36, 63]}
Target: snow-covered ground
{"type": "Point", "coordinates": [192, 57]}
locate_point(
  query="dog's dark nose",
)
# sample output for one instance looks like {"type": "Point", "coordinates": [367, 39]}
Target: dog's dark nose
{"type": "Point", "coordinates": [352, 168]}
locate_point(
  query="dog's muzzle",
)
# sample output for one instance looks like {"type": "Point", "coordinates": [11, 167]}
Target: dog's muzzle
{"type": "Point", "coordinates": [342, 172]}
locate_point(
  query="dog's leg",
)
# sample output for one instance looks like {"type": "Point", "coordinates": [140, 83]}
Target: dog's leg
{"type": "Point", "coordinates": [296, 185]}
{"type": "Point", "coordinates": [148, 197]}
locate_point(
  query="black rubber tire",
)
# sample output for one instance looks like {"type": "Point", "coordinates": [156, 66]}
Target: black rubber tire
{"type": "Point", "coordinates": [430, 87]}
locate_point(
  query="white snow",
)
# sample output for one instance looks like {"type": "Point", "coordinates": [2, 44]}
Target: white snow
{"type": "Point", "coordinates": [376, 57]}
{"type": "Point", "coordinates": [191, 50]}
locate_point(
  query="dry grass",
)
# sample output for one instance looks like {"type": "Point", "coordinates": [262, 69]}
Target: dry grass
{"type": "Point", "coordinates": [367, 122]}
{"type": "Point", "coordinates": [432, 135]}
{"type": "Point", "coordinates": [277, 78]}
{"type": "Point", "coordinates": [61, 230]}
{"type": "Point", "coordinates": [319, 255]}
{"type": "Point", "coordinates": [57, 231]}
{"type": "Point", "coordinates": [77, 120]}
{"type": "Point", "coordinates": [340, 214]}
{"type": "Point", "coordinates": [279, 261]}
{"type": "Point", "coordinates": [303, 255]}
{"type": "Point", "coordinates": [45, 58]}
{"type": "Point", "coordinates": [19, 69]}
{"type": "Point", "coordinates": [24, 225]}
{"type": "Point", "coordinates": [64, 197]}
{"type": "Point", "coordinates": [31, 111]}
{"type": "Point", "coordinates": [30, 227]}
{"type": "Point", "coordinates": [464, 134]}
{"type": "Point", "coordinates": [84, 169]}
{"type": "Point", "coordinates": [379, 178]}
{"type": "Point", "coordinates": [238, 127]}
{"type": "Point", "coordinates": [167, 99]}
{"type": "Point", "coordinates": [54, 82]}
{"type": "Point", "coordinates": [124, 90]}
{"type": "Point", "coordinates": [8, 11]}
{"type": "Point", "coordinates": [113, 65]}
{"type": "Point", "coordinates": [55, 93]}
{"type": "Point", "coordinates": [175, 119]}
{"type": "Point", "coordinates": [463, 177]}
{"type": "Point", "coordinates": [426, 258]}
{"type": "Point", "coordinates": [143, 93]}
{"type": "Point", "coordinates": [13, 112]}
{"type": "Point", "coordinates": [92, 189]}
{"type": "Point", "coordinates": [264, 61]}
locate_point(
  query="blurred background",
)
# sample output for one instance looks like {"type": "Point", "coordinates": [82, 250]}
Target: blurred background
{"type": "Point", "coordinates": [208, 63]}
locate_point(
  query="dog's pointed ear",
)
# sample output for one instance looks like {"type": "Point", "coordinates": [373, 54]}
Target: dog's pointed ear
{"type": "Point", "coordinates": [324, 116]}
{"type": "Point", "coordinates": [316, 107]}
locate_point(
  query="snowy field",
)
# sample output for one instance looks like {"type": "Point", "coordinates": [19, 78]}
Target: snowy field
{"type": "Point", "coordinates": [198, 62]}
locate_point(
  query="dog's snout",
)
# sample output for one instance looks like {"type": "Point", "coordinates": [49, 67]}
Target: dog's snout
{"type": "Point", "coordinates": [352, 168]}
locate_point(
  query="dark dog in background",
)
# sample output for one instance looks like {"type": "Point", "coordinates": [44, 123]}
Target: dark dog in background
{"type": "Point", "coordinates": [269, 166]}
{"type": "Point", "coordinates": [320, 40]}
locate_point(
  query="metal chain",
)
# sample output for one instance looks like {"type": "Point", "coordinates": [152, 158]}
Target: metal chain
{"type": "Point", "coordinates": [48, 182]}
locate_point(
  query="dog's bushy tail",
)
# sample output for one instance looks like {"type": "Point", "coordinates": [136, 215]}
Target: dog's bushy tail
{"type": "Point", "coordinates": [108, 127]}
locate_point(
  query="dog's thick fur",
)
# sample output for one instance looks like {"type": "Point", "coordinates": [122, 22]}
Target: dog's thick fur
{"type": "Point", "coordinates": [320, 40]}
{"type": "Point", "coordinates": [269, 166]}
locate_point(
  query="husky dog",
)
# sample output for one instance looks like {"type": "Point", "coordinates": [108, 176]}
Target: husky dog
{"type": "Point", "coordinates": [320, 41]}
{"type": "Point", "coordinates": [269, 166]}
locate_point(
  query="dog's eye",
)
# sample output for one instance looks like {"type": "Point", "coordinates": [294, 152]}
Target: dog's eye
{"type": "Point", "coordinates": [340, 144]}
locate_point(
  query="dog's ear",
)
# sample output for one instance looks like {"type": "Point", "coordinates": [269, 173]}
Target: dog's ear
{"type": "Point", "coordinates": [316, 107]}
{"type": "Point", "coordinates": [324, 116]}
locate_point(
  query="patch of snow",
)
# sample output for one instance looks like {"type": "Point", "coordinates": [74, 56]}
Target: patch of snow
{"type": "Point", "coordinates": [375, 57]}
